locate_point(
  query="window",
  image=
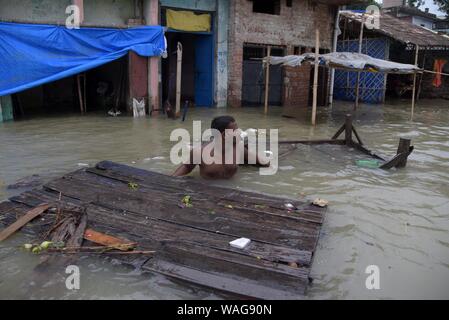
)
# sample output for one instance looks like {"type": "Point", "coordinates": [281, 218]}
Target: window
{"type": "Point", "coordinates": [267, 6]}
{"type": "Point", "coordinates": [296, 50]}
{"type": "Point", "coordinates": [289, 3]}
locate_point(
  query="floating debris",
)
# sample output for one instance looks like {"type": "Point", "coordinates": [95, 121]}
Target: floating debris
{"type": "Point", "coordinates": [81, 164]}
{"type": "Point", "coordinates": [240, 243]}
{"type": "Point", "coordinates": [320, 202]}
{"type": "Point", "coordinates": [133, 185]}
{"type": "Point", "coordinates": [289, 206]}
{"type": "Point", "coordinates": [368, 163]}
{"type": "Point", "coordinates": [187, 201]}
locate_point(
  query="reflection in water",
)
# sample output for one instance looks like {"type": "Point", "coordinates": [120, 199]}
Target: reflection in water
{"type": "Point", "coordinates": [397, 220]}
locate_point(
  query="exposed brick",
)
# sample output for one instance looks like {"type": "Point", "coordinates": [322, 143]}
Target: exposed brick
{"type": "Point", "coordinates": [294, 26]}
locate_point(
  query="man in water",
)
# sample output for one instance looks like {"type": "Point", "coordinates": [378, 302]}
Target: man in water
{"type": "Point", "coordinates": [218, 170]}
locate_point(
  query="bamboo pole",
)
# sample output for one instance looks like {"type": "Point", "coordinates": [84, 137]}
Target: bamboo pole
{"type": "Point", "coordinates": [334, 49]}
{"type": "Point", "coordinates": [315, 76]}
{"type": "Point", "coordinates": [414, 83]}
{"type": "Point", "coordinates": [357, 94]}
{"type": "Point", "coordinates": [178, 80]}
{"type": "Point", "coordinates": [267, 78]}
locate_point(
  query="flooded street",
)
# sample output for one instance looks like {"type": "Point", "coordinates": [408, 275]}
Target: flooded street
{"type": "Point", "coordinates": [397, 220]}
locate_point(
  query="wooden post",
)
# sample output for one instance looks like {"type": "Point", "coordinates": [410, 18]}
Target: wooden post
{"type": "Point", "coordinates": [80, 96]}
{"type": "Point", "coordinates": [178, 80]}
{"type": "Point", "coordinates": [84, 91]}
{"type": "Point", "coordinates": [404, 146]}
{"type": "Point", "coordinates": [267, 78]}
{"type": "Point", "coordinates": [414, 84]}
{"type": "Point", "coordinates": [423, 66]}
{"type": "Point", "coordinates": [315, 76]}
{"type": "Point", "coordinates": [348, 130]}
{"type": "Point", "coordinates": [357, 95]}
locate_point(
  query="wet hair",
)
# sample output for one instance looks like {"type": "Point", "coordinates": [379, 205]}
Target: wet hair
{"type": "Point", "coordinates": [221, 123]}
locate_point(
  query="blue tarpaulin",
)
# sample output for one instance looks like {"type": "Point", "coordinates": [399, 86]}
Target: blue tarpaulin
{"type": "Point", "coordinates": [32, 54]}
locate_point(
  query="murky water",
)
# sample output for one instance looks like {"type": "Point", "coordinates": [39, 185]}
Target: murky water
{"type": "Point", "coordinates": [397, 220]}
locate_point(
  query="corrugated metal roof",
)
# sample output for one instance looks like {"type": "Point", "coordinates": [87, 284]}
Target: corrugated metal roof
{"type": "Point", "coordinates": [403, 31]}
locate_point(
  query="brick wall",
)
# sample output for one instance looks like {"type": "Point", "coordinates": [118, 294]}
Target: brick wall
{"type": "Point", "coordinates": [295, 26]}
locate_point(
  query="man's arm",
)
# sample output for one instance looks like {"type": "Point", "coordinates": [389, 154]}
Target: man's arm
{"type": "Point", "coordinates": [258, 162]}
{"type": "Point", "coordinates": [185, 169]}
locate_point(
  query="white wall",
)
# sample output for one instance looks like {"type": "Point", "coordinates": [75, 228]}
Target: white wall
{"type": "Point", "coordinates": [419, 21]}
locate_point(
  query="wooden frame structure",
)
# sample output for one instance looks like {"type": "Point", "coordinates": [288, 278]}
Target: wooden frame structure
{"type": "Point", "coordinates": [398, 161]}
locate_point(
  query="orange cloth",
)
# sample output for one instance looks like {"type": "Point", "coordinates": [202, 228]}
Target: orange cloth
{"type": "Point", "coordinates": [438, 68]}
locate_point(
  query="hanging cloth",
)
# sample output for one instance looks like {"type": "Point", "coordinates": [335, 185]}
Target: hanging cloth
{"type": "Point", "coordinates": [438, 68]}
{"type": "Point", "coordinates": [188, 21]}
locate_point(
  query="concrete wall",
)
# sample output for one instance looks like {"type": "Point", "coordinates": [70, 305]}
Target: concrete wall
{"type": "Point", "coordinates": [221, 91]}
{"type": "Point", "coordinates": [423, 22]}
{"type": "Point", "coordinates": [108, 12]}
{"type": "Point", "coordinates": [96, 12]}
{"type": "Point", "coordinates": [295, 26]}
{"type": "Point", "coordinates": [202, 5]}
{"type": "Point", "coordinates": [392, 3]}
{"type": "Point", "coordinates": [34, 10]}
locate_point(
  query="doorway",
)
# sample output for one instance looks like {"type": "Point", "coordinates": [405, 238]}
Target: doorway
{"type": "Point", "coordinates": [197, 68]}
{"type": "Point", "coordinates": [253, 79]}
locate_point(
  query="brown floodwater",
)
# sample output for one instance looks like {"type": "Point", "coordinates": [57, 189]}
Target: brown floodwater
{"type": "Point", "coordinates": [397, 220]}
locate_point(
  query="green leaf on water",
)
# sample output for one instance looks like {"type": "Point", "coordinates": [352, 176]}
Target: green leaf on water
{"type": "Point", "coordinates": [133, 185]}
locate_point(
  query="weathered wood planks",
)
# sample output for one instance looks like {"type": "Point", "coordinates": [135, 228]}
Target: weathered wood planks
{"type": "Point", "coordinates": [192, 244]}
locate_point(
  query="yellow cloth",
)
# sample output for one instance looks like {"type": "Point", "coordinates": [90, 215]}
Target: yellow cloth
{"type": "Point", "coordinates": [188, 21]}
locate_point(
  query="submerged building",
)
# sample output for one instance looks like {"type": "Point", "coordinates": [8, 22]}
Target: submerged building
{"type": "Point", "coordinates": [222, 44]}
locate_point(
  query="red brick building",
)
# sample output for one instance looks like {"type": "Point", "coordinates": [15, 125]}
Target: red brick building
{"type": "Point", "coordinates": [288, 27]}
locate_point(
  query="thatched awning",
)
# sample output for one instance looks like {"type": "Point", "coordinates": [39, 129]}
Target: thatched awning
{"type": "Point", "coordinates": [404, 31]}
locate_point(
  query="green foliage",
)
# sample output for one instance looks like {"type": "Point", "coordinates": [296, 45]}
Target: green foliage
{"type": "Point", "coordinates": [443, 5]}
{"type": "Point", "coordinates": [415, 3]}
{"type": "Point", "coordinates": [363, 6]}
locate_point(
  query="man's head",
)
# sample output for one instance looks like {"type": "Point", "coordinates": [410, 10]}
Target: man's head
{"type": "Point", "coordinates": [224, 122]}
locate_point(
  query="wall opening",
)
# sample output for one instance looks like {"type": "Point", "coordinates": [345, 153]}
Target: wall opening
{"type": "Point", "coordinates": [253, 77]}
{"type": "Point", "coordinates": [105, 89]}
{"type": "Point", "coordinates": [197, 69]}
{"type": "Point", "coordinates": [267, 6]}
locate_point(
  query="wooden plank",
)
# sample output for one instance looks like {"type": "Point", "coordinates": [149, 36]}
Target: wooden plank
{"type": "Point", "coordinates": [147, 232]}
{"type": "Point", "coordinates": [192, 244]}
{"type": "Point", "coordinates": [366, 151]}
{"type": "Point", "coordinates": [30, 215]}
{"type": "Point", "coordinates": [215, 272]}
{"type": "Point", "coordinates": [357, 135]}
{"type": "Point", "coordinates": [397, 160]}
{"type": "Point", "coordinates": [183, 185]}
{"type": "Point", "coordinates": [339, 131]}
{"type": "Point", "coordinates": [312, 142]}
{"type": "Point", "coordinates": [107, 240]}
{"type": "Point", "coordinates": [179, 258]}
{"type": "Point", "coordinates": [225, 220]}
{"type": "Point", "coordinates": [196, 218]}
{"type": "Point", "coordinates": [348, 130]}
